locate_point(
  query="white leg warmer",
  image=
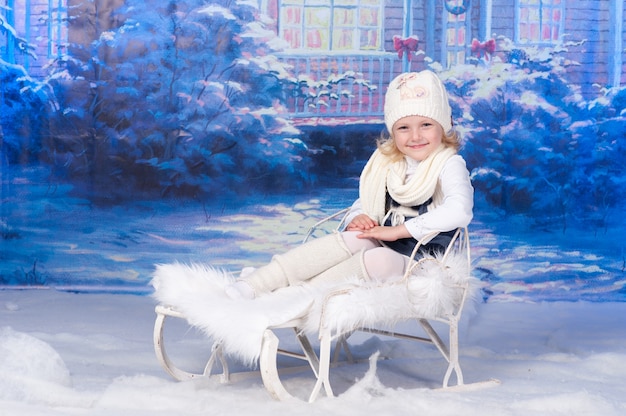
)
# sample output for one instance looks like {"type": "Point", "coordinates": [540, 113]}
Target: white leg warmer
{"type": "Point", "coordinates": [299, 264]}
{"type": "Point", "coordinates": [348, 269]}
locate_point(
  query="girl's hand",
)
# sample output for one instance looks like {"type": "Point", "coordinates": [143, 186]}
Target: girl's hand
{"type": "Point", "coordinates": [386, 233]}
{"type": "Point", "coordinates": [361, 223]}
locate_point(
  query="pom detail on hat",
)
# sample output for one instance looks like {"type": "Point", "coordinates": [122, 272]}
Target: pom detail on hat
{"type": "Point", "coordinates": [417, 94]}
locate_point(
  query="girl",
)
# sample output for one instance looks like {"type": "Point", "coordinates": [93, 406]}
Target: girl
{"type": "Point", "coordinates": [413, 184]}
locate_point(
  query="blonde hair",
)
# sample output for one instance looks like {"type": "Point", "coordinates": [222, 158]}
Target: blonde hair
{"type": "Point", "coordinates": [387, 145]}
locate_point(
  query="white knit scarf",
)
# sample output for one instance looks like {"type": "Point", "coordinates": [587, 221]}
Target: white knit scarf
{"type": "Point", "coordinates": [382, 175]}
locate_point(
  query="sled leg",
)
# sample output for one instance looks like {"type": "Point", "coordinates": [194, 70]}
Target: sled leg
{"type": "Point", "coordinates": [342, 342]}
{"type": "Point", "coordinates": [159, 348]}
{"type": "Point", "coordinates": [309, 352]}
{"type": "Point", "coordinates": [217, 354]}
{"type": "Point", "coordinates": [269, 370]}
{"type": "Point", "coordinates": [474, 386]}
{"type": "Point", "coordinates": [323, 378]}
{"type": "Point", "coordinates": [451, 355]}
{"type": "Point", "coordinates": [453, 363]}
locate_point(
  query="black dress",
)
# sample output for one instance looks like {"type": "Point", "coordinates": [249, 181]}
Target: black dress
{"type": "Point", "coordinates": [406, 245]}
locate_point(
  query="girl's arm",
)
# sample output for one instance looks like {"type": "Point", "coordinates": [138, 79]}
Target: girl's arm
{"type": "Point", "coordinates": [456, 208]}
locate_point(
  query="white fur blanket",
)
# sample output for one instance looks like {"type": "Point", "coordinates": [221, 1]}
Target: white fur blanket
{"type": "Point", "coordinates": [197, 291]}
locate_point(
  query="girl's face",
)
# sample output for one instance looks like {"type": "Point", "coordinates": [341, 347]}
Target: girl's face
{"type": "Point", "coordinates": [417, 137]}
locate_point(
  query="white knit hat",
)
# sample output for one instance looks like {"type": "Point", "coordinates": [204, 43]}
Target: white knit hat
{"type": "Point", "coordinates": [417, 94]}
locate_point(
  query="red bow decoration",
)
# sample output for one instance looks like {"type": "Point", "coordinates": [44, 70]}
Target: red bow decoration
{"type": "Point", "coordinates": [408, 45]}
{"type": "Point", "coordinates": [487, 48]}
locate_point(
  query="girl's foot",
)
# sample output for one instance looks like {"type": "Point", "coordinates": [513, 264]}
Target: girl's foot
{"type": "Point", "coordinates": [239, 290]}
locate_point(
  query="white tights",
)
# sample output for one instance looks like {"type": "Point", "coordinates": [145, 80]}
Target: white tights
{"type": "Point", "coordinates": [381, 263]}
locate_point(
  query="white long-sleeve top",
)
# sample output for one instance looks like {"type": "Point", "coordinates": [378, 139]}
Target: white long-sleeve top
{"type": "Point", "coordinates": [455, 209]}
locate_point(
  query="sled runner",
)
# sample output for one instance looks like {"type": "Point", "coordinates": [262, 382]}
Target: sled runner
{"type": "Point", "coordinates": [433, 289]}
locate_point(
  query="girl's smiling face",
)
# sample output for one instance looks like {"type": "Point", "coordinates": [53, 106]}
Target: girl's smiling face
{"type": "Point", "coordinates": [417, 137]}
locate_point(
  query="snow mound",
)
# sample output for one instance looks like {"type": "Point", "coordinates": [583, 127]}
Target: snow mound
{"type": "Point", "coordinates": [32, 371]}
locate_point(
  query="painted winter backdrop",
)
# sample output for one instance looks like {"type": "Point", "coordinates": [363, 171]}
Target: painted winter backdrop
{"type": "Point", "coordinates": [165, 133]}
{"type": "Point", "coordinates": [168, 136]}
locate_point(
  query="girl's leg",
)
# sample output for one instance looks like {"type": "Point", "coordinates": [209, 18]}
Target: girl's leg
{"type": "Point", "coordinates": [355, 244]}
{"type": "Point", "coordinates": [383, 264]}
{"type": "Point", "coordinates": [378, 264]}
{"type": "Point", "coordinates": [305, 262]}
{"type": "Point", "coordinates": [296, 265]}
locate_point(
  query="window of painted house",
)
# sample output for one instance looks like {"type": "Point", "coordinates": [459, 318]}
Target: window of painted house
{"type": "Point", "coordinates": [455, 20]}
{"type": "Point", "coordinates": [57, 27]}
{"type": "Point", "coordinates": [43, 24]}
{"type": "Point", "coordinates": [539, 21]}
{"type": "Point", "coordinates": [7, 21]}
{"type": "Point", "coordinates": [331, 25]}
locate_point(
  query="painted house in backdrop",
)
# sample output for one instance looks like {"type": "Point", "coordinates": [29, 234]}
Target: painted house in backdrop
{"type": "Point", "coordinates": [372, 38]}
{"type": "Point", "coordinates": [367, 37]}
{"type": "Point", "coordinates": [39, 27]}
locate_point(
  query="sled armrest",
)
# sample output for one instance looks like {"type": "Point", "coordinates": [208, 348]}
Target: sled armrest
{"type": "Point", "coordinates": [331, 217]}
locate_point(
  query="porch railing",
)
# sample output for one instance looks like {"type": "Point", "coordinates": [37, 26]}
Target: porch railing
{"type": "Point", "coordinates": [336, 88]}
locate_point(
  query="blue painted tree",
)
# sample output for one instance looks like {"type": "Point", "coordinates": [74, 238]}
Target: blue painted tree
{"type": "Point", "coordinates": [181, 99]}
{"type": "Point", "coordinates": [600, 182]}
{"type": "Point", "coordinates": [23, 102]}
{"type": "Point", "coordinates": [529, 137]}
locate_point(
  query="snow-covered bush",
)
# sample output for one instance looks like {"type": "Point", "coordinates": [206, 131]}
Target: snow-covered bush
{"type": "Point", "coordinates": [180, 99]}
{"type": "Point", "coordinates": [530, 136]}
{"type": "Point", "coordinates": [600, 185]}
{"type": "Point", "coordinates": [23, 106]}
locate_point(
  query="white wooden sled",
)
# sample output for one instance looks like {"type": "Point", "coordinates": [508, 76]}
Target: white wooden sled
{"type": "Point", "coordinates": [335, 334]}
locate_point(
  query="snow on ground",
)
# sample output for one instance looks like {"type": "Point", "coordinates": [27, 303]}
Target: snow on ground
{"type": "Point", "coordinates": [64, 353]}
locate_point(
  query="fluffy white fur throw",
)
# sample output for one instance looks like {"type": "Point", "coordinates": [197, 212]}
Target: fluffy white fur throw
{"type": "Point", "coordinates": [197, 291]}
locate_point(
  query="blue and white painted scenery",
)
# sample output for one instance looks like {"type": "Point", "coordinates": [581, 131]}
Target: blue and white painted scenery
{"type": "Point", "coordinates": [141, 132]}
